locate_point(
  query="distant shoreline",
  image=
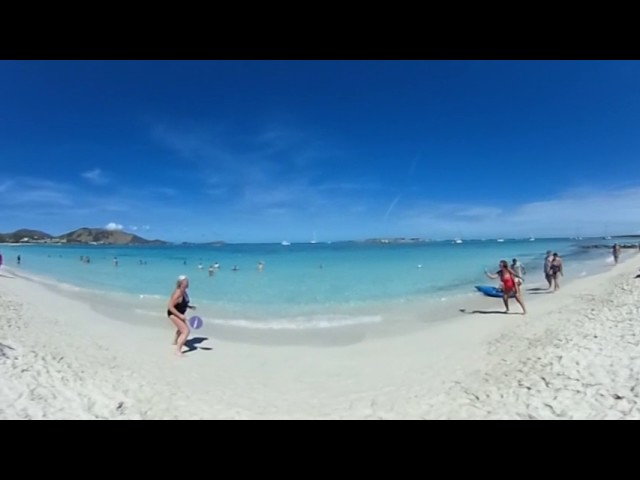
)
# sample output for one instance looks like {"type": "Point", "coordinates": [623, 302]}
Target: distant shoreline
{"type": "Point", "coordinates": [114, 238]}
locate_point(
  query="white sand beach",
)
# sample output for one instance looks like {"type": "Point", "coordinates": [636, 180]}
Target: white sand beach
{"type": "Point", "coordinates": [576, 355]}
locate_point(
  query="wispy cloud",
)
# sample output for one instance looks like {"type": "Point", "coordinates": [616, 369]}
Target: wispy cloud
{"type": "Point", "coordinates": [275, 171]}
{"type": "Point", "coordinates": [480, 212]}
{"type": "Point", "coordinates": [96, 176]}
{"type": "Point", "coordinates": [589, 212]}
{"type": "Point", "coordinates": [135, 228]}
{"type": "Point", "coordinates": [33, 192]}
{"type": "Point", "coordinates": [42, 203]}
{"type": "Point", "coordinates": [4, 186]}
{"type": "Point", "coordinates": [391, 207]}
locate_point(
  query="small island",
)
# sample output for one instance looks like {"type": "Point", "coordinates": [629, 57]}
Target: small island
{"type": "Point", "coordinates": [396, 240]}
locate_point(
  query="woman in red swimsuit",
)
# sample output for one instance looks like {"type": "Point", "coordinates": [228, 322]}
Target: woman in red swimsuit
{"type": "Point", "coordinates": [509, 284]}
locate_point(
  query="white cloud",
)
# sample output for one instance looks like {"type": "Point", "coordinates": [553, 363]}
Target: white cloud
{"type": "Point", "coordinates": [113, 226]}
{"type": "Point", "coordinates": [585, 212]}
{"type": "Point", "coordinates": [133, 228]}
{"type": "Point", "coordinates": [96, 176]}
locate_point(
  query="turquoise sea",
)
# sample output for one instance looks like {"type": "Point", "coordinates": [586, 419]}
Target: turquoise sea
{"type": "Point", "coordinates": [302, 284]}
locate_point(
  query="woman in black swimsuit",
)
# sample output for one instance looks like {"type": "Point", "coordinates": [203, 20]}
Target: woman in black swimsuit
{"type": "Point", "coordinates": [556, 268]}
{"type": "Point", "coordinates": [178, 305]}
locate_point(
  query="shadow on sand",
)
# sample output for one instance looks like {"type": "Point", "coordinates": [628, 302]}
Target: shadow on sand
{"type": "Point", "coordinates": [192, 344]}
{"type": "Point", "coordinates": [4, 347]}
{"type": "Point", "coordinates": [486, 312]}
{"type": "Point", "coordinates": [539, 291]}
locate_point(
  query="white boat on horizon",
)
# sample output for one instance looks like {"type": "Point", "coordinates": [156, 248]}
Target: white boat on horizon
{"type": "Point", "coordinates": [500, 240]}
{"type": "Point", "coordinates": [285, 243]}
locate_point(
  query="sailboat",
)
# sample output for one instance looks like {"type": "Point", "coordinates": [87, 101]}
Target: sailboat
{"type": "Point", "coordinates": [315, 240]}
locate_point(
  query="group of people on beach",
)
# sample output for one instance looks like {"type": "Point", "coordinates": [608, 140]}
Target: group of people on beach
{"type": "Point", "coordinates": [510, 283]}
{"type": "Point", "coordinates": [512, 277]}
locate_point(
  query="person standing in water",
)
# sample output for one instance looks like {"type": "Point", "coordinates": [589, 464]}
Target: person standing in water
{"type": "Point", "coordinates": [179, 303]}
{"type": "Point", "coordinates": [509, 285]}
{"type": "Point", "coordinates": [19, 259]}
{"type": "Point", "coordinates": [616, 253]}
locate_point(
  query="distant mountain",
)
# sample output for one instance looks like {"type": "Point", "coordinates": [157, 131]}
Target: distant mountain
{"type": "Point", "coordinates": [24, 234]}
{"type": "Point", "coordinates": [106, 237]}
{"type": "Point", "coordinates": [89, 236]}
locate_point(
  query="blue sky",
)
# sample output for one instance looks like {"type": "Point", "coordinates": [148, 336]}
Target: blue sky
{"type": "Point", "coordinates": [278, 150]}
